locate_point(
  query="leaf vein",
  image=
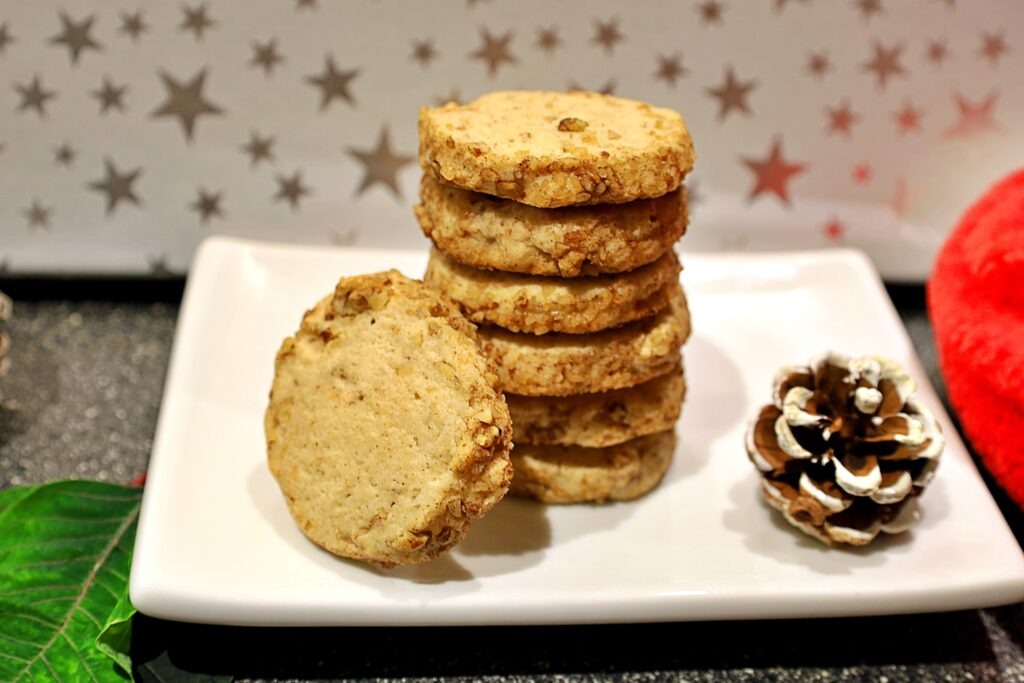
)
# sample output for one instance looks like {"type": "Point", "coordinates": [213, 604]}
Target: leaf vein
{"type": "Point", "coordinates": [121, 530]}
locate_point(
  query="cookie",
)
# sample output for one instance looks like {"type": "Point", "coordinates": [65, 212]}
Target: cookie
{"type": "Point", "coordinates": [563, 364]}
{"type": "Point", "coordinates": [574, 474]}
{"type": "Point", "coordinates": [552, 149]}
{"type": "Point", "coordinates": [384, 430]}
{"type": "Point", "coordinates": [598, 420]}
{"type": "Point", "coordinates": [500, 234]}
{"type": "Point", "coordinates": [538, 305]}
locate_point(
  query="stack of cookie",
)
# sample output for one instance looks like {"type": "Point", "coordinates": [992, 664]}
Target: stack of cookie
{"type": "Point", "coordinates": [553, 217]}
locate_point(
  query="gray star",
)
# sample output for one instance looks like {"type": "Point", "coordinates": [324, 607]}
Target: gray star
{"type": "Point", "coordinates": [116, 186]}
{"type": "Point", "coordinates": [34, 96]}
{"type": "Point", "coordinates": [266, 56]}
{"type": "Point", "coordinates": [207, 204]}
{"type": "Point", "coordinates": [38, 215]}
{"type": "Point", "coordinates": [291, 189]}
{"type": "Point", "coordinates": [381, 165]}
{"type": "Point", "coordinates": [196, 21]}
{"type": "Point", "coordinates": [64, 155]}
{"type": "Point", "coordinates": [333, 83]}
{"type": "Point", "coordinates": [5, 38]}
{"type": "Point", "coordinates": [186, 101]}
{"type": "Point", "coordinates": [259, 148]}
{"type": "Point", "coordinates": [76, 36]}
{"type": "Point", "coordinates": [158, 266]}
{"type": "Point", "coordinates": [110, 95]}
{"type": "Point", "coordinates": [133, 25]}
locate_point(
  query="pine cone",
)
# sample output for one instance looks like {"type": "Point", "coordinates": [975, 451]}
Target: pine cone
{"type": "Point", "coordinates": [845, 449]}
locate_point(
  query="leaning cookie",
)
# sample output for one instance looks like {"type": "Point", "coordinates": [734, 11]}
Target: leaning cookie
{"type": "Point", "coordinates": [500, 234]}
{"type": "Point", "coordinates": [598, 420]}
{"type": "Point", "coordinates": [538, 305]}
{"type": "Point", "coordinates": [565, 364]}
{"type": "Point", "coordinates": [552, 149]}
{"type": "Point", "coordinates": [573, 474]}
{"type": "Point", "coordinates": [384, 430]}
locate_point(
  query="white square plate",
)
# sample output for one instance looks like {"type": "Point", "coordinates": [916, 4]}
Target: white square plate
{"type": "Point", "coordinates": [216, 544]}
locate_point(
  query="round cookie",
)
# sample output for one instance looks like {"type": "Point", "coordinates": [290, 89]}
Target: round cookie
{"type": "Point", "coordinates": [598, 420]}
{"type": "Point", "coordinates": [552, 149]}
{"type": "Point", "coordinates": [384, 430]}
{"type": "Point", "coordinates": [500, 234]}
{"type": "Point", "coordinates": [538, 305]}
{"type": "Point", "coordinates": [565, 364]}
{"type": "Point", "coordinates": [573, 474]}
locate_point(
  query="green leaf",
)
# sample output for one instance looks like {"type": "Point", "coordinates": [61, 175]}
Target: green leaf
{"type": "Point", "coordinates": [65, 553]}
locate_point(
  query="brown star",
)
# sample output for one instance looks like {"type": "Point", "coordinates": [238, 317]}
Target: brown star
{"type": "Point", "coordinates": [5, 37]}
{"type": "Point", "coordinates": [259, 148]}
{"type": "Point", "coordinates": [607, 89]}
{"type": "Point", "coordinates": [75, 35]}
{"type": "Point", "coordinates": [116, 186]}
{"type": "Point", "coordinates": [64, 155]}
{"type": "Point", "coordinates": [607, 34]}
{"type": "Point", "coordinates": [993, 46]}
{"type": "Point", "coordinates": [834, 229]}
{"type": "Point", "coordinates": [974, 118]}
{"type": "Point", "coordinates": [869, 8]}
{"type": "Point", "coordinates": [133, 25]}
{"type": "Point", "coordinates": [908, 118]}
{"type": "Point", "coordinates": [333, 84]}
{"type": "Point", "coordinates": [265, 56]}
{"type": "Point", "coordinates": [670, 69]}
{"type": "Point", "coordinates": [381, 165]}
{"type": "Point", "coordinates": [841, 119]}
{"type": "Point", "coordinates": [732, 95]}
{"type": "Point", "coordinates": [110, 95]}
{"type": "Point", "coordinates": [886, 63]}
{"type": "Point", "coordinates": [937, 52]}
{"type": "Point", "coordinates": [773, 173]}
{"type": "Point", "coordinates": [304, 4]}
{"type": "Point", "coordinates": [710, 12]}
{"type": "Point", "coordinates": [38, 216]}
{"type": "Point", "coordinates": [423, 52]}
{"type": "Point", "coordinates": [196, 20]}
{"type": "Point", "coordinates": [818, 64]}
{"type": "Point", "coordinates": [34, 96]}
{"type": "Point", "coordinates": [291, 189]}
{"type": "Point", "coordinates": [494, 51]}
{"type": "Point", "coordinates": [453, 96]}
{"type": "Point", "coordinates": [548, 39]}
{"type": "Point", "coordinates": [207, 205]}
{"type": "Point", "coordinates": [186, 101]}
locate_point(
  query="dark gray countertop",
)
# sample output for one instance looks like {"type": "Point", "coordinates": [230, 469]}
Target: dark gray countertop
{"type": "Point", "coordinates": [89, 359]}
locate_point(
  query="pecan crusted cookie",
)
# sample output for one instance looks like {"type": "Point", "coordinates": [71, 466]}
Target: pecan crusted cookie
{"type": "Point", "coordinates": [384, 430]}
{"type": "Point", "coordinates": [574, 474]}
{"type": "Point", "coordinates": [565, 364]}
{"type": "Point", "coordinates": [598, 420]}
{"type": "Point", "coordinates": [500, 234]}
{"type": "Point", "coordinates": [552, 149]}
{"type": "Point", "coordinates": [538, 305]}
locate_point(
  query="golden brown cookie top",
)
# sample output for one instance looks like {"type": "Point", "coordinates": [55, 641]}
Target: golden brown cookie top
{"type": "Point", "coordinates": [551, 149]}
{"type": "Point", "coordinates": [384, 429]}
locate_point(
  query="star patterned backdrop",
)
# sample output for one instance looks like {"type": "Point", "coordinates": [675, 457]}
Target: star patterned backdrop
{"type": "Point", "coordinates": [133, 129]}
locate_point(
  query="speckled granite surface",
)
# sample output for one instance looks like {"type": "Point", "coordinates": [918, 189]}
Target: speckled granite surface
{"type": "Point", "coordinates": [88, 368]}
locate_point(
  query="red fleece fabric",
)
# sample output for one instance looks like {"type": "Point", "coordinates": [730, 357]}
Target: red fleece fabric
{"type": "Point", "coordinates": [976, 304]}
